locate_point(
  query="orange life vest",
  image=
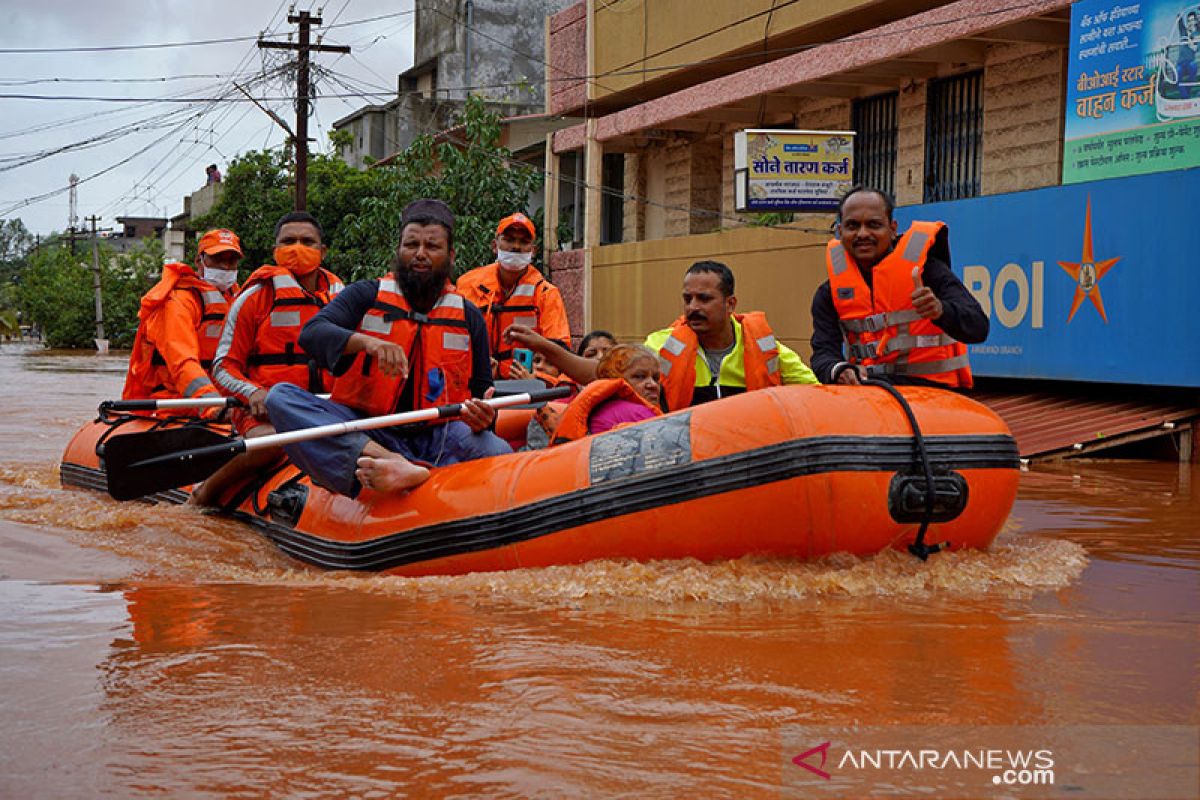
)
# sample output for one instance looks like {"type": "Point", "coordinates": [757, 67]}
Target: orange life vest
{"type": "Point", "coordinates": [574, 422]}
{"type": "Point", "coordinates": [437, 344]}
{"type": "Point", "coordinates": [882, 330]}
{"type": "Point", "coordinates": [277, 357]}
{"type": "Point", "coordinates": [148, 376]}
{"type": "Point", "coordinates": [523, 307]}
{"type": "Point", "coordinates": [678, 354]}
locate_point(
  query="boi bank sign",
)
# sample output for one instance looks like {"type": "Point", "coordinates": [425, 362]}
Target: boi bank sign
{"type": "Point", "coordinates": [1096, 281]}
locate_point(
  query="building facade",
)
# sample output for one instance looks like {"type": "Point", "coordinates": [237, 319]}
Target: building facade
{"type": "Point", "coordinates": [960, 109]}
{"type": "Point", "coordinates": [493, 49]}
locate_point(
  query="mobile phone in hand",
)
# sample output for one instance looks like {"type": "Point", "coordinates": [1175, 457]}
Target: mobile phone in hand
{"type": "Point", "coordinates": [524, 357]}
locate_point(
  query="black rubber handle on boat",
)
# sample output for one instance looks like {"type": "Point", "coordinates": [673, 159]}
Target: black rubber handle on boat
{"type": "Point", "coordinates": [155, 405]}
{"type": "Point", "coordinates": [918, 548]}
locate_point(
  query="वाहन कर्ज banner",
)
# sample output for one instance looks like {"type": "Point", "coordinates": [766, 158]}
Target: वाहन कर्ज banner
{"type": "Point", "coordinates": [782, 170]}
{"type": "Point", "coordinates": [1133, 89]}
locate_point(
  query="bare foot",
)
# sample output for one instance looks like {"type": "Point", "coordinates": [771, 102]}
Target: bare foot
{"type": "Point", "coordinates": [393, 474]}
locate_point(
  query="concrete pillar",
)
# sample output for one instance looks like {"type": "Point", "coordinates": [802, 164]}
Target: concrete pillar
{"type": "Point", "coordinates": [593, 207]}
{"type": "Point", "coordinates": [550, 203]}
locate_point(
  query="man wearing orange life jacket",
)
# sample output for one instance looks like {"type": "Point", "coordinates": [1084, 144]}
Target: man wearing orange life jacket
{"type": "Point", "coordinates": [404, 342]}
{"type": "Point", "coordinates": [709, 353]}
{"type": "Point", "coordinates": [511, 291]}
{"type": "Point", "coordinates": [180, 323]}
{"type": "Point", "coordinates": [258, 347]}
{"type": "Point", "coordinates": [892, 309]}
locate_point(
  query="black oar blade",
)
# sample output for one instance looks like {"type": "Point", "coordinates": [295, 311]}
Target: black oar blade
{"type": "Point", "coordinates": [138, 464]}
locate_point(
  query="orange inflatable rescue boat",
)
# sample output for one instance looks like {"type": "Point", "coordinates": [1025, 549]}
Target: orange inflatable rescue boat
{"type": "Point", "coordinates": [794, 472]}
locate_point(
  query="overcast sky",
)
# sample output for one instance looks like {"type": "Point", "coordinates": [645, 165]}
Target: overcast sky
{"type": "Point", "coordinates": [179, 139]}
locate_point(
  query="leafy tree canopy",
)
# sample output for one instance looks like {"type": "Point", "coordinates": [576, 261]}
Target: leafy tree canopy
{"type": "Point", "coordinates": [360, 209]}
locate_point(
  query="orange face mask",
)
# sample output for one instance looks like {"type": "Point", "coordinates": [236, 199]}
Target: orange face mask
{"type": "Point", "coordinates": [299, 258]}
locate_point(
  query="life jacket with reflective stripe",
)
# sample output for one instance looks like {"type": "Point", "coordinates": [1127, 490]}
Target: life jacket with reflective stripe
{"type": "Point", "coordinates": [678, 354]}
{"type": "Point", "coordinates": [437, 344]}
{"type": "Point", "coordinates": [148, 375]}
{"type": "Point", "coordinates": [483, 288]}
{"type": "Point", "coordinates": [882, 330]}
{"type": "Point", "coordinates": [574, 421]}
{"type": "Point", "coordinates": [277, 357]}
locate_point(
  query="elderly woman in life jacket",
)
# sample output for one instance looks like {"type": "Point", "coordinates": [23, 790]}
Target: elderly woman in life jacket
{"type": "Point", "coordinates": [626, 390]}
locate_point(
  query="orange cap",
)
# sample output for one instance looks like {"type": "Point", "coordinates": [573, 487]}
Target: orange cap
{"type": "Point", "coordinates": [218, 241]}
{"type": "Point", "coordinates": [518, 219]}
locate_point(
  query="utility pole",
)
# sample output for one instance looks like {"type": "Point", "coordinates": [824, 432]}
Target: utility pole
{"type": "Point", "coordinates": [101, 339]}
{"type": "Point", "coordinates": [305, 20]}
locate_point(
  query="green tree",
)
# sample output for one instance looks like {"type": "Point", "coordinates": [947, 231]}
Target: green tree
{"type": "Point", "coordinates": [359, 210]}
{"type": "Point", "coordinates": [16, 242]}
{"type": "Point", "coordinates": [257, 193]}
{"type": "Point", "coordinates": [56, 293]}
{"type": "Point", "coordinates": [471, 173]}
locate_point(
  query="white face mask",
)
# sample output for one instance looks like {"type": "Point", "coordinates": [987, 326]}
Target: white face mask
{"type": "Point", "coordinates": [514, 262]}
{"type": "Point", "coordinates": [220, 278]}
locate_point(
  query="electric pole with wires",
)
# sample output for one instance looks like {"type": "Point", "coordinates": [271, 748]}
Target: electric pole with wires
{"type": "Point", "coordinates": [304, 46]}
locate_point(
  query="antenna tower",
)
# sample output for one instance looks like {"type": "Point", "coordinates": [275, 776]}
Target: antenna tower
{"type": "Point", "coordinates": [73, 220]}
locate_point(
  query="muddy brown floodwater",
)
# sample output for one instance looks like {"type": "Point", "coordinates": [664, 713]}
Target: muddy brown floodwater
{"type": "Point", "coordinates": [157, 652]}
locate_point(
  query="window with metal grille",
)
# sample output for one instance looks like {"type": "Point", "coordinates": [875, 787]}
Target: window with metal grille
{"type": "Point", "coordinates": [954, 137]}
{"type": "Point", "coordinates": [875, 125]}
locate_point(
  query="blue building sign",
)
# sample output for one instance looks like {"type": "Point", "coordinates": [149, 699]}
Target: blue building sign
{"type": "Point", "coordinates": [1095, 281]}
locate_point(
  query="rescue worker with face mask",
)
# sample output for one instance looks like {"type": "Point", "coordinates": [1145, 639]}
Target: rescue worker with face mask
{"type": "Point", "coordinates": [179, 323]}
{"type": "Point", "coordinates": [259, 343]}
{"type": "Point", "coordinates": [258, 346]}
{"type": "Point", "coordinates": [510, 291]}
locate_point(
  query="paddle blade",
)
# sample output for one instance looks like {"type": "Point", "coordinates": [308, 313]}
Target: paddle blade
{"type": "Point", "coordinates": [138, 464]}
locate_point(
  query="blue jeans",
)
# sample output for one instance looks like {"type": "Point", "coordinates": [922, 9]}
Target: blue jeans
{"type": "Point", "coordinates": [331, 461]}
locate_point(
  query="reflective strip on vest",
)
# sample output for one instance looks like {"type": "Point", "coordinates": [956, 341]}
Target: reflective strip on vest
{"type": "Point", "coordinates": [921, 368]}
{"type": "Point", "coordinates": [766, 343]}
{"type": "Point", "coordinates": [212, 297]}
{"type": "Point", "coordinates": [449, 301]}
{"type": "Point", "coordinates": [212, 330]}
{"type": "Point", "coordinates": [877, 322]}
{"type": "Point", "coordinates": [285, 319]}
{"type": "Point", "coordinates": [907, 341]}
{"type": "Point", "coordinates": [523, 290]}
{"type": "Point", "coordinates": [664, 366]}
{"type": "Point", "coordinates": [388, 285]}
{"type": "Point", "coordinates": [197, 385]}
{"type": "Point", "coordinates": [773, 365]}
{"type": "Point", "coordinates": [674, 346]}
{"type": "Point", "coordinates": [837, 255]}
{"type": "Point", "coordinates": [916, 244]}
{"type": "Point", "coordinates": [456, 341]}
{"type": "Point", "coordinates": [285, 282]}
{"type": "Point", "coordinates": [529, 322]}
{"type": "Point", "coordinates": [373, 323]}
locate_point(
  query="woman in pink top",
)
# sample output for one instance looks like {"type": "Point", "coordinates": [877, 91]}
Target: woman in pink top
{"type": "Point", "coordinates": [638, 366]}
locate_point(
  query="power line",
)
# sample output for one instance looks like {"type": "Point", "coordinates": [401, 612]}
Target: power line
{"type": "Point", "coordinates": [164, 45]}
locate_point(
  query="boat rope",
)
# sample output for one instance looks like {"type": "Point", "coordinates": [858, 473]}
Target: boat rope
{"type": "Point", "coordinates": [918, 547]}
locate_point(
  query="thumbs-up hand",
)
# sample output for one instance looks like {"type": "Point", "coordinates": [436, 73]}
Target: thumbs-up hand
{"type": "Point", "coordinates": [924, 301]}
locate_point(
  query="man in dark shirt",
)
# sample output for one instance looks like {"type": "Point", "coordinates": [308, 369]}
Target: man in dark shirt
{"type": "Point", "coordinates": [396, 344]}
{"type": "Point", "coordinates": [868, 237]}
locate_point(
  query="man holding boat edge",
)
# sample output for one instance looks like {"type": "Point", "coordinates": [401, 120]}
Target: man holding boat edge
{"type": "Point", "coordinates": [404, 342]}
{"type": "Point", "coordinates": [892, 309]}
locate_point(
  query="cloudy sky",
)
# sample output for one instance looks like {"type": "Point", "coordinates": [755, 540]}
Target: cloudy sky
{"type": "Point", "coordinates": [147, 155]}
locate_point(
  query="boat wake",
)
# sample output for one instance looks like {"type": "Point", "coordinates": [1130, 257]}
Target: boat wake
{"type": "Point", "coordinates": [180, 543]}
